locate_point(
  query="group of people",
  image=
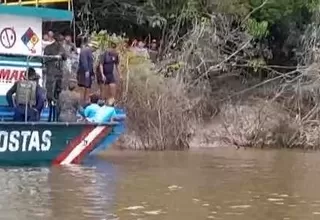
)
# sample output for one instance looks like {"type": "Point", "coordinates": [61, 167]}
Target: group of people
{"type": "Point", "coordinates": [107, 73]}
{"type": "Point", "coordinates": [151, 52]}
{"type": "Point", "coordinates": [60, 83]}
{"type": "Point", "coordinates": [69, 48]}
{"type": "Point", "coordinates": [30, 101]}
{"type": "Point", "coordinates": [96, 111]}
{"type": "Point", "coordinates": [65, 40]}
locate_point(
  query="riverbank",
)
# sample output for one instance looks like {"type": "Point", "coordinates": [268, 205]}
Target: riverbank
{"type": "Point", "coordinates": [254, 120]}
{"type": "Point", "coordinates": [166, 114]}
{"type": "Point", "coordinates": [184, 102]}
{"type": "Point", "coordinates": [256, 123]}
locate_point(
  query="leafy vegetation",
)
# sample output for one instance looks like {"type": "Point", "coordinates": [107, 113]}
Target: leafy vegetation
{"type": "Point", "coordinates": [227, 54]}
{"type": "Point", "coordinates": [275, 23]}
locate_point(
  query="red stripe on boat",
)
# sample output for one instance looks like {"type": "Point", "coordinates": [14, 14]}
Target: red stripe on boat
{"type": "Point", "coordinates": [106, 130]}
{"type": "Point", "coordinates": [73, 143]}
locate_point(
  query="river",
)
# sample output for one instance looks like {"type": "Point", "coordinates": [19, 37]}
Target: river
{"type": "Point", "coordinates": [219, 183]}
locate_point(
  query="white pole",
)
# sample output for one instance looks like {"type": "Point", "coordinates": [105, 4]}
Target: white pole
{"type": "Point", "coordinates": [32, 56]}
{"type": "Point", "coordinates": [27, 95]}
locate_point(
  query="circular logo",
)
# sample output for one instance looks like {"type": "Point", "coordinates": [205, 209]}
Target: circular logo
{"type": "Point", "coordinates": [8, 38]}
{"type": "Point", "coordinates": [34, 39]}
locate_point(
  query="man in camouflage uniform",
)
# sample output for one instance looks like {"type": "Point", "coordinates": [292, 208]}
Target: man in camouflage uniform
{"type": "Point", "coordinates": [54, 74]}
{"type": "Point", "coordinates": [69, 103]}
{"type": "Point", "coordinates": [72, 57]}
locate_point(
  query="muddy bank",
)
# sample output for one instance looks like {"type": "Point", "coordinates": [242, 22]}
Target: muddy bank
{"type": "Point", "coordinates": [253, 123]}
{"type": "Point", "coordinates": [257, 123]}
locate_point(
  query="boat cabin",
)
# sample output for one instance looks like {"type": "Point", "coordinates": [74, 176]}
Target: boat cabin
{"type": "Point", "coordinates": [21, 41]}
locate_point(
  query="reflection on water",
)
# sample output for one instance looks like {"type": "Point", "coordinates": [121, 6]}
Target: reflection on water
{"type": "Point", "coordinates": [213, 184]}
{"type": "Point", "coordinates": [72, 192]}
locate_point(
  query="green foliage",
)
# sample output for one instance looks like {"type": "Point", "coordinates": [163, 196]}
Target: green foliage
{"type": "Point", "coordinates": [104, 39]}
{"type": "Point", "coordinates": [256, 64]}
{"type": "Point", "coordinates": [313, 5]}
{"type": "Point", "coordinates": [158, 13]}
{"type": "Point", "coordinates": [235, 7]}
{"type": "Point", "coordinates": [272, 19]}
{"type": "Point", "coordinates": [275, 10]}
{"type": "Point", "coordinates": [137, 14]}
{"type": "Point", "coordinates": [257, 29]}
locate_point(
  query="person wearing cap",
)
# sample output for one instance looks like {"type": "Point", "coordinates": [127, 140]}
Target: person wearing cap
{"type": "Point", "coordinates": [69, 103]}
{"type": "Point", "coordinates": [85, 69]}
{"type": "Point", "coordinates": [29, 100]}
{"type": "Point", "coordinates": [109, 74]}
{"type": "Point", "coordinates": [91, 110]}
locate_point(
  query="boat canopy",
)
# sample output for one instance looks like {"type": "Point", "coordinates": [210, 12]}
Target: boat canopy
{"type": "Point", "coordinates": [18, 8]}
{"type": "Point", "coordinates": [36, 2]}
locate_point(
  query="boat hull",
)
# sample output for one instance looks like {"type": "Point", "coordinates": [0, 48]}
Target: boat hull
{"type": "Point", "coordinates": [42, 143]}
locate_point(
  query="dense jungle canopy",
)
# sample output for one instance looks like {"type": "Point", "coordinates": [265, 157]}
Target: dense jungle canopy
{"type": "Point", "coordinates": [275, 24]}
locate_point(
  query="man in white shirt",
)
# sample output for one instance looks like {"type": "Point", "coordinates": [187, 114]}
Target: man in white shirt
{"type": "Point", "coordinates": [47, 39]}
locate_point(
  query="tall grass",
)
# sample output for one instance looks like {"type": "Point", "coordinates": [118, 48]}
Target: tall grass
{"type": "Point", "coordinates": [159, 111]}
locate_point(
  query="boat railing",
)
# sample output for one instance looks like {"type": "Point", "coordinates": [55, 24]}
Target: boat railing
{"type": "Point", "coordinates": [59, 123]}
{"type": "Point", "coordinates": [29, 57]}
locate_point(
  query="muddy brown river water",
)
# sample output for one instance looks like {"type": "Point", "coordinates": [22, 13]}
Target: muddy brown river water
{"type": "Point", "coordinates": [220, 183]}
